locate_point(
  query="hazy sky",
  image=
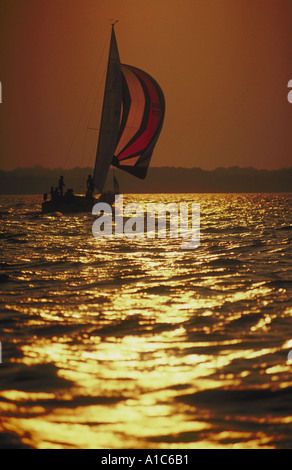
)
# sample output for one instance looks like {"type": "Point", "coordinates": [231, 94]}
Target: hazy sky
{"type": "Point", "coordinates": [223, 65]}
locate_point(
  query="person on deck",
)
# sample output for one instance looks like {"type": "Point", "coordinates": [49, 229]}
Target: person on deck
{"type": "Point", "coordinates": [55, 195]}
{"type": "Point", "coordinates": [90, 186]}
{"type": "Point", "coordinates": [68, 196]}
{"type": "Point", "coordinates": [52, 193]}
{"type": "Point", "coordinates": [61, 185]}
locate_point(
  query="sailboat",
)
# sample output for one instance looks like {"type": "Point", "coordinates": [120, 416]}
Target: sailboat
{"type": "Point", "coordinates": [131, 121]}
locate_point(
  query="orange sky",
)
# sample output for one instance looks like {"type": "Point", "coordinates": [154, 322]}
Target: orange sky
{"type": "Point", "coordinates": [223, 65]}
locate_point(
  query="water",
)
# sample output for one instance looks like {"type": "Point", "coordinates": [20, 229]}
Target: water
{"type": "Point", "coordinates": [139, 344]}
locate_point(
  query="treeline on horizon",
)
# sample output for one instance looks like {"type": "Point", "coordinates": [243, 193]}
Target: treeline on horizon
{"type": "Point", "coordinates": [38, 180]}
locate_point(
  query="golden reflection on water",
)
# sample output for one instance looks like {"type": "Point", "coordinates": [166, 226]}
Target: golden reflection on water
{"type": "Point", "coordinates": [115, 369]}
{"type": "Point", "coordinates": [146, 346]}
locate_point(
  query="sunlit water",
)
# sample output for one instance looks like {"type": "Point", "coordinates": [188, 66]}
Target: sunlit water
{"type": "Point", "coordinates": [139, 344]}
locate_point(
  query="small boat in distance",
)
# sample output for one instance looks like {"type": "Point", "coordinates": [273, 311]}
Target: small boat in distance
{"type": "Point", "coordinates": [131, 121]}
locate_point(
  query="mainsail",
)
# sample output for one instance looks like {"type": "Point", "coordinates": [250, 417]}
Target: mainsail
{"type": "Point", "coordinates": [132, 118]}
{"type": "Point", "coordinates": [110, 117]}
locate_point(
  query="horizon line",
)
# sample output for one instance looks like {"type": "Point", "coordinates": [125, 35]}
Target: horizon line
{"type": "Point", "coordinates": [151, 168]}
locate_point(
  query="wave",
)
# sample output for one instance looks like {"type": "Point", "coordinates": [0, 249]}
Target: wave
{"type": "Point", "coordinates": [225, 262]}
{"type": "Point", "coordinates": [4, 278]}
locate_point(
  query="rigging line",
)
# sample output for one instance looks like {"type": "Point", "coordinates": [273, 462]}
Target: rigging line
{"type": "Point", "coordinates": [87, 152]}
{"type": "Point", "coordinates": [87, 98]}
{"type": "Point", "coordinates": [97, 94]}
{"type": "Point", "coordinates": [83, 151]}
{"type": "Point", "coordinates": [93, 107]}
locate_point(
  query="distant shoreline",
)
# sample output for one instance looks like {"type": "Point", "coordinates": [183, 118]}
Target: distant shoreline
{"type": "Point", "coordinates": [38, 180]}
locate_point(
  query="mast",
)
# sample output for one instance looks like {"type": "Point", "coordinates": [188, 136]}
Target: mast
{"type": "Point", "coordinates": [110, 117]}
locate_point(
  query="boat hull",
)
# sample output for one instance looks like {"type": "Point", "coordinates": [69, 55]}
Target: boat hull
{"type": "Point", "coordinates": [76, 203]}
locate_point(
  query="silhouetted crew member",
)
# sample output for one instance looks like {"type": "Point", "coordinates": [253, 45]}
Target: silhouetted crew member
{"type": "Point", "coordinates": [90, 186]}
{"type": "Point", "coordinates": [55, 195]}
{"type": "Point", "coordinates": [45, 196]}
{"type": "Point", "coordinates": [61, 185]}
{"type": "Point", "coordinates": [68, 196]}
{"type": "Point", "coordinates": [52, 192]}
